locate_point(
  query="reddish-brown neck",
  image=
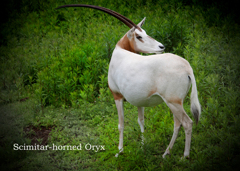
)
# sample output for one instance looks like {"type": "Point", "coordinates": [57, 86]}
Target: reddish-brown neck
{"type": "Point", "coordinates": [126, 44]}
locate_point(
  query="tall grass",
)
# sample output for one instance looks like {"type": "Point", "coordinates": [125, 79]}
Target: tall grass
{"type": "Point", "coordinates": [59, 58]}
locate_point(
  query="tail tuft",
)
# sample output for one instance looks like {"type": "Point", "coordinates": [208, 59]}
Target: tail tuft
{"type": "Point", "coordinates": [195, 105]}
{"type": "Point", "coordinates": [195, 113]}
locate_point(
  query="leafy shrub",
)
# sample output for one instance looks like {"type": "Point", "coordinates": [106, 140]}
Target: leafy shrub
{"type": "Point", "coordinates": [71, 76]}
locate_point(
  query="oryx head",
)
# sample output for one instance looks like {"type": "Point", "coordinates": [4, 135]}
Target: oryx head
{"type": "Point", "coordinates": [137, 37]}
{"type": "Point", "coordinates": [142, 42]}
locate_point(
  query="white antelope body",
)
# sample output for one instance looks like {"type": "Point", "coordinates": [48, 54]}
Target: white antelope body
{"type": "Point", "coordinates": [149, 80]}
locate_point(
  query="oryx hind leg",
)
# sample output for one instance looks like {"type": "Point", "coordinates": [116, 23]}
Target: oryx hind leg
{"type": "Point", "coordinates": [177, 126]}
{"type": "Point", "coordinates": [180, 118]}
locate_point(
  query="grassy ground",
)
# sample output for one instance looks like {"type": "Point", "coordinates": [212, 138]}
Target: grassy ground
{"type": "Point", "coordinates": [212, 148]}
{"type": "Point", "coordinates": [54, 89]}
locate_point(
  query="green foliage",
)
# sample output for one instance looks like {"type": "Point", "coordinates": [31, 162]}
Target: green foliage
{"type": "Point", "coordinates": [69, 77]}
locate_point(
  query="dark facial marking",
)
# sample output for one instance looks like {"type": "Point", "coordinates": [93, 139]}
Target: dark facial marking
{"type": "Point", "coordinates": [139, 38]}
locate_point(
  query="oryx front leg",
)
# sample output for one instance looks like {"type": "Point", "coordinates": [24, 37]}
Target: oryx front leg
{"type": "Point", "coordinates": [119, 104]}
{"type": "Point", "coordinates": [141, 121]}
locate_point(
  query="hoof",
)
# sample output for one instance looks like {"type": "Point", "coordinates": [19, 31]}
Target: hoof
{"type": "Point", "coordinates": [120, 151]}
{"type": "Point", "coordinates": [185, 158]}
{"type": "Point", "coordinates": [165, 154]}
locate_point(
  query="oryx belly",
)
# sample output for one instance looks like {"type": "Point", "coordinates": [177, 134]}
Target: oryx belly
{"type": "Point", "coordinates": [143, 101]}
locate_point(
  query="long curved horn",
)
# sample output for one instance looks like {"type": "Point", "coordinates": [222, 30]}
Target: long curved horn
{"type": "Point", "coordinates": [122, 18]}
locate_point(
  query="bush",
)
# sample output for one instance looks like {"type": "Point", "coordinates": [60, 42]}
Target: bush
{"type": "Point", "coordinates": [71, 76]}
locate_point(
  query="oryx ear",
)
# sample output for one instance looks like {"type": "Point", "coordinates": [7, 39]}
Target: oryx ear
{"type": "Point", "coordinates": [142, 22]}
{"type": "Point", "coordinates": [130, 33]}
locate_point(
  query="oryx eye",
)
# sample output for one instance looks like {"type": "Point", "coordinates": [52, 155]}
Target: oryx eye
{"type": "Point", "coordinates": [139, 37]}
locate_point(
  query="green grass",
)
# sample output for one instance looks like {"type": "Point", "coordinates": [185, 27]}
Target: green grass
{"type": "Point", "coordinates": [71, 127]}
{"type": "Point", "coordinates": [59, 59]}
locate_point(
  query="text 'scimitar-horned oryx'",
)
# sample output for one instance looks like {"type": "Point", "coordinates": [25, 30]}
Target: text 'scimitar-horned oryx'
{"type": "Point", "coordinates": [149, 80]}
